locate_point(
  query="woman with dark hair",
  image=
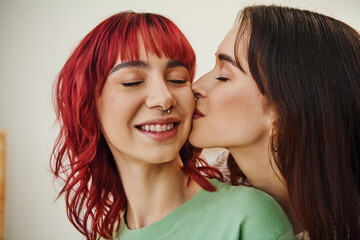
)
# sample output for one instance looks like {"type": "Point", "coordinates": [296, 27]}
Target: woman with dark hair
{"type": "Point", "coordinates": [125, 105]}
{"type": "Point", "coordinates": [284, 99]}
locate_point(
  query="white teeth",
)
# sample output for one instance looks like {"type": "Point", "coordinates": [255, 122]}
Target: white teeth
{"type": "Point", "coordinates": [158, 127]}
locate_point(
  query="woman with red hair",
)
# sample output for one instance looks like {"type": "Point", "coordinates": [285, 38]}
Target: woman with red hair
{"type": "Point", "coordinates": [125, 105]}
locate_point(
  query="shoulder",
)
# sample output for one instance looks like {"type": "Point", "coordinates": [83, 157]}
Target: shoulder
{"type": "Point", "coordinates": [243, 197]}
{"type": "Point", "coordinates": [258, 211]}
{"type": "Point", "coordinates": [242, 193]}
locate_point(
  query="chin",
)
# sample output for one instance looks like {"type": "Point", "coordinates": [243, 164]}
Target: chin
{"type": "Point", "coordinates": [161, 156]}
{"type": "Point", "coordinates": [196, 142]}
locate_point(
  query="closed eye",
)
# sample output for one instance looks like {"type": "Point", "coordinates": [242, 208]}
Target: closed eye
{"type": "Point", "coordinates": [178, 81]}
{"type": "Point", "coordinates": [222, 79]}
{"type": "Point", "coordinates": [132, 84]}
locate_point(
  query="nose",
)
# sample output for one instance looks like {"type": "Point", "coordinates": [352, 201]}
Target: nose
{"type": "Point", "coordinates": [159, 95]}
{"type": "Point", "coordinates": [199, 88]}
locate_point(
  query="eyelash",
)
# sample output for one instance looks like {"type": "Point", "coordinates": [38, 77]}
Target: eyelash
{"type": "Point", "coordinates": [222, 79]}
{"type": "Point", "coordinates": [131, 84]}
{"type": "Point", "coordinates": [134, 84]}
{"type": "Point", "coordinates": [178, 81]}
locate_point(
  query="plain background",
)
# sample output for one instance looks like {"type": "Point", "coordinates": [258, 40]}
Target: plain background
{"type": "Point", "coordinates": [36, 38]}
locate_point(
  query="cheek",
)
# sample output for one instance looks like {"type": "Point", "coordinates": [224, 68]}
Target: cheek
{"type": "Point", "coordinates": [186, 107]}
{"type": "Point", "coordinates": [236, 107]}
{"type": "Point", "coordinates": [241, 105]}
{"type": "Point", "coordinates": [186, 101]}
{"type": "Point", "coordinates": [227, 101]}
{"type": "Point", "coordinates": [115, 108]}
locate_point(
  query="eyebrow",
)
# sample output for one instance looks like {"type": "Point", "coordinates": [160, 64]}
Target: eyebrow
{"type": "Point", "coordinates": [176, 63]}
{"type": "Point", "coordinates": [134, 64]}
{"type": "Point", "coordinates": [227, 58]}
{"type": "Point", "coordinates": [142, 64]}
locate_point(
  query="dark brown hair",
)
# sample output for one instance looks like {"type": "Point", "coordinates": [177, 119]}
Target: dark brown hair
{"type": "Point", "coordinates": [308, 67]}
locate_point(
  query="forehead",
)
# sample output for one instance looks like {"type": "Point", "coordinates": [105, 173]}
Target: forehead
{"type": "Point", "coordinates": [144, 49]}
{"type": "Point", "coordinates": [148, 57]}
{"type": "Point", "coordinates": [140, 52]}
{"type": "Point", "coordinates": [148, 60]}
{"type": "Point", "coordinates": [235, 45]}
{"type": "Point", "coordinates": [228, 43]}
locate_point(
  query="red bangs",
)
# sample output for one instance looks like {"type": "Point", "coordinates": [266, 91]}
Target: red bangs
{"type": "Point", "coordinates": [159, 36]}
{"type": "Point", "coordinates": [121, 36]}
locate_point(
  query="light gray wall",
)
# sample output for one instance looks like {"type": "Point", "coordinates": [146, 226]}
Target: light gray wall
{"type": "Point", "coordinates": [36, 37]}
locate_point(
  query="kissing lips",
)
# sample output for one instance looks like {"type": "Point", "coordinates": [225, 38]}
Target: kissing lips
{"type": "Point", "coordinates": [198, 114]}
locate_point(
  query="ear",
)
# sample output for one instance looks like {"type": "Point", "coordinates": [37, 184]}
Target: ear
{"type": "Point", "coordinates": [270, 112]}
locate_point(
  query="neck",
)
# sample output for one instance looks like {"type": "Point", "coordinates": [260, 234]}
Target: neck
{"type": "Point", "coordinates": [262, 173]}
{"type": "Point", "coordinates": [154, 190]}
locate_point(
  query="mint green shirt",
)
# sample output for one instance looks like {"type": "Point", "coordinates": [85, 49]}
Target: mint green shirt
{"type": "Point", "coordinates": [232, 212]}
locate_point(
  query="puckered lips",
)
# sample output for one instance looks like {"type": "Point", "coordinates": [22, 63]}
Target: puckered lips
{"type": "Point", "coordinates": [197, 114]}
{"type": "Point", "coordinates": [161, 129]}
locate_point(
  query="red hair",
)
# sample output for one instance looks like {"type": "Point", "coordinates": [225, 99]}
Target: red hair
{"type": "Point", "coordinates": [94, 194]}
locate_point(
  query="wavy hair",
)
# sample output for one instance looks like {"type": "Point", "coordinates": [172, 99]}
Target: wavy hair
{"type": "Point", "coordinates": [81, 158]}
{"type": "Point", "coordinates": [308, 67]}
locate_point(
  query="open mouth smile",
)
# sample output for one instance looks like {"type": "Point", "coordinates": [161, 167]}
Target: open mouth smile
{"type": "Point", "coordinates": [160, 129]}
{"type": "Point", "coordinates": [157, 127]}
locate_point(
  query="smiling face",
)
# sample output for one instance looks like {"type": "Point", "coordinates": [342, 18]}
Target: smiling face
{"type": "Point", "coordinates": [129, 108]}
{"type": "Point", "coordinates": [231, 110]}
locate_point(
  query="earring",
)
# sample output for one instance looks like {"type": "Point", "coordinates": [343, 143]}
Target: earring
{"type": "Point", "coordinates": [197, 96]}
